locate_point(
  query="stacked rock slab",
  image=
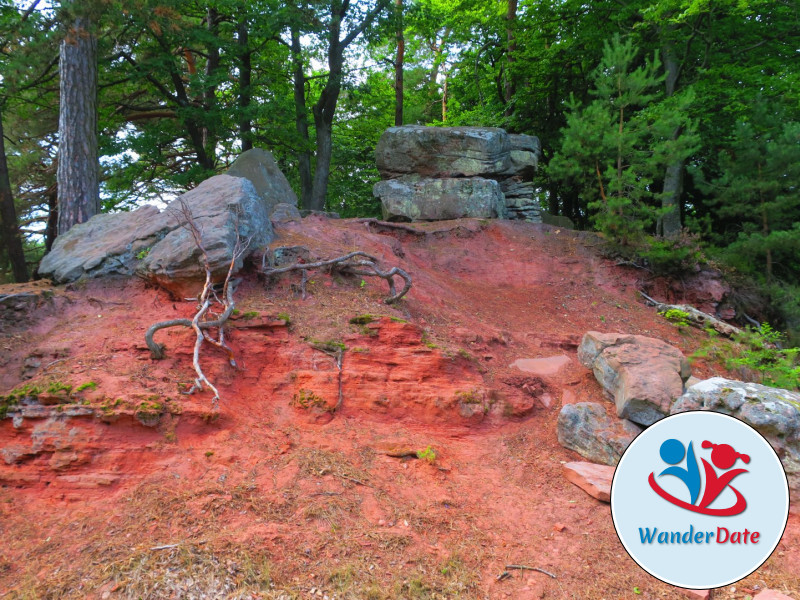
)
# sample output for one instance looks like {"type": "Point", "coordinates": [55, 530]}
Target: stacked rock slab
{"type": "Point", "coordinates": [436, 173]}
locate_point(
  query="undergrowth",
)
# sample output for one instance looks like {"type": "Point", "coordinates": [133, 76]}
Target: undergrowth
{"type": "Point", "coordinates": [757, 355]}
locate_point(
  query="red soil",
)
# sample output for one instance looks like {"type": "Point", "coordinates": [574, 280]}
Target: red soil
{"type": "Point", "coordinates": [304, 482]}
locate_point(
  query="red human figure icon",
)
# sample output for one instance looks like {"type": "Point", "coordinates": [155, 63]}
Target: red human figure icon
{"type": "Point", "coordinates": [724, 457]}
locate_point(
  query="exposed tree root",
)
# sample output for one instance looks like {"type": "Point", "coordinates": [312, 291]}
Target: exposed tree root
{"type": "Point", "coordinates": [203, 322]}
{"type": "Point", "coordinates": [366, 266]}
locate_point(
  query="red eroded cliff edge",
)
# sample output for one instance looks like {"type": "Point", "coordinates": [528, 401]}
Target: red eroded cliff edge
{"type": "Point", "coordinates": [360, 451]}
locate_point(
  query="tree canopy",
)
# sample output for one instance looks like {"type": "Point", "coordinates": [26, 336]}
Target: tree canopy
{"type": "Point", "coordinates": [657, 117]}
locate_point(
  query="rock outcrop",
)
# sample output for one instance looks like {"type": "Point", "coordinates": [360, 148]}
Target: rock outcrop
{"type": "Point", "coordinates": [643, 375]}
{"type": "Point", "coordinates": [260, 168]}
{"type": "Point", "coordinates": [587, 429]}
{"type": "Point", "coordinates": [156, 244]}
{"type": "Point", "coordinates": [434, 173]}
{"type": "Point", "coordinates": [773, 412]}
{"type": "Point", "coordinates": [449, 198]}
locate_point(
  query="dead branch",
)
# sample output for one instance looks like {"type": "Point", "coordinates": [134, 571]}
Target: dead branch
{"type": "Point", "coordinates": [202, 323]}
{"type": "Point", "coordinates": [527, 568]}
{"type": "Point", "coordinates": [367, 267]}
{"type": "Point", "coordinates": [696, 318]}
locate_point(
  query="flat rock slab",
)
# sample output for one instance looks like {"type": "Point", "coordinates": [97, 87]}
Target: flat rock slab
{"type": "Point", "coordinates": [773, 412]}
{"type": "Point", "coordinates": [695, 594]}
{"type": "Point", "coordinates": [593, 479]}
{"type": "Point", "coordinates": [443, 151]}
{"type": "Point", "coordinates": [544, 367]}
{"type": "Point", "coordinates": [643, 375]}
{"type": "Point", "coordinates": [586, 428]}
{"type": "Point", "coordinates": [414, 198]}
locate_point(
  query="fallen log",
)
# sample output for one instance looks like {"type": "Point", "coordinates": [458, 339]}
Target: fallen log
{"type": "Point", "coordinates": [696, 318]}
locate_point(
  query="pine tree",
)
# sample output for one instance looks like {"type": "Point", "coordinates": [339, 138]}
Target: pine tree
{"type": "Point", "coordinates": [615, 148]}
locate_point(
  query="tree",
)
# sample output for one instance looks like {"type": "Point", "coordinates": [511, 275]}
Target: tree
{"type": "Point", "coordinates": [78, 166]}
{"type": "Point", "coordinates": [8, 217]}
{"type": "Point", "coordinates": [337, 21]}
{"type": "Point", "coordinates": [614, 148]}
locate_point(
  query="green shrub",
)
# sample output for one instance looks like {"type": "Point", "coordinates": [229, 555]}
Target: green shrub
{"type": "Point", "coordinates": [757, 355]}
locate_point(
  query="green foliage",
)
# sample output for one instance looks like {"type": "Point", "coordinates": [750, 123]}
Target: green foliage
{"type": "Point", "coordinates": [89, 385]}
{"type": "Point", "coordinates": [677, 317]}
{"type": "Point", "coordinates": [363, 319]}
{"type": "Point", "coordinates": [284, 317]}
{"type": "Point", "coordinates": [672, 256]}
{"type": "Point", "coordinates": [307, 399]}
{"type": "Point", "coordinates": [758, 355]}
{"type": "Point", "coordinates": [428, 455]}
{"type": "Point", "coordinates": [614, 148]}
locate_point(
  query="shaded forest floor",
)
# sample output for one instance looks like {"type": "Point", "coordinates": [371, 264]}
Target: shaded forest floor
{"type": "Point", "coordinates": [154, 494]}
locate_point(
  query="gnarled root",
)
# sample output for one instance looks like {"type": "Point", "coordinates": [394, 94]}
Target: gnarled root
{"type": "Point", "coordinates": [366, 266]}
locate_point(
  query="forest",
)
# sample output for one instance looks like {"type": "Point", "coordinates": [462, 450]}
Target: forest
{"type": "Point", "coordinates": [670, 127]}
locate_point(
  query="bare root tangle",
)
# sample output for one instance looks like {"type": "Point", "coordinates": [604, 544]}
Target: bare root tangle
{"type": "Point", "coordinates": [203, 322]}
{"type": "Point", "coordinates": [366, 267]}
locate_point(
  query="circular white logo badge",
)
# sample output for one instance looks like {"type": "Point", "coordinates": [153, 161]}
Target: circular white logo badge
{"type": "Point", "coordinates": [699, 500]}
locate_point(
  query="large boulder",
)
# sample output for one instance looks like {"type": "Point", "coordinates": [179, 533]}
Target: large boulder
{"type": "Point", "coordinates": [773, 412]}
{"type": "Point", "coordinates": [106, 244]}
{"type": "Point", "coordinates": [260, 168]}
{"type": "Point", "coordinates": [225, 209]}
{"type": "Point", "coordinates": [158, 246]}
{"type": "Point", "coordinates": [587, 429]}
{"type": "Point", "coordinates": [413, 198]}
{"type": "Point", "coordinates": [443, 151]}
{"type": "Point", "coordinates": [643, 375]}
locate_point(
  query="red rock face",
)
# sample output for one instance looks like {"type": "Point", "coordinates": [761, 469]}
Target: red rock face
{"type": "Point", "coordinates": [408, 478]}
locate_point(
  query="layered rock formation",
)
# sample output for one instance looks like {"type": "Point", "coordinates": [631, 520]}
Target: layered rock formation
{"type": "Point", "coordinates": [436, 173]}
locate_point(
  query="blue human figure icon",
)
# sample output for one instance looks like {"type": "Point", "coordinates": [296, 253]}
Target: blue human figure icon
{"type": "Point", "coordinates": [672, 453]}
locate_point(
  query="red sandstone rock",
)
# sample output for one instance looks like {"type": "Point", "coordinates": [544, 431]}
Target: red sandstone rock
{"type": "Point", "coordinates": [643, 375]}
{"type": "Point", "coordinates": [695, 594]}
{"type": "Point", "coordinates": [593, 479]}
{"type": "Point", "coordinates": [772, 595]}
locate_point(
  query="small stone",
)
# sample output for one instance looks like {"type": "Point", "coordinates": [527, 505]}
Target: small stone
{"type": "Point", "coordinates": [559, 527]}
{"type": "Point", "coordinates": [593, 479]}
{"type": "Point", "coordinates": [695, 594]}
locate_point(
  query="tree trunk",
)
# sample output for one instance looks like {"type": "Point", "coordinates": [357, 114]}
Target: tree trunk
{"type": "Point", "coordinates": [398, 64]}
{"type": "Point", "coordinates": [511, 17]}
{"type": "Point", "coordinates": [301, 122]}
{"type": "Point", "coordinates": [673, 186]}
{"type": "Point", "coordinates": [210, 93]}
{"type": "Point", "coordinates": [78, 166]}
{"type": "Point", "coordinates": [323, 167]}
{"type": "Point", "coordinates": [444, 99]}
{"type": "Point", "coordinates": [8, 218]}
{"type": "Point", "coordinates": [245, 81]}
{"type": "Point", "coordinates": [673, 178]}
{"type": "Point", "coordinates": [51, 230]}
